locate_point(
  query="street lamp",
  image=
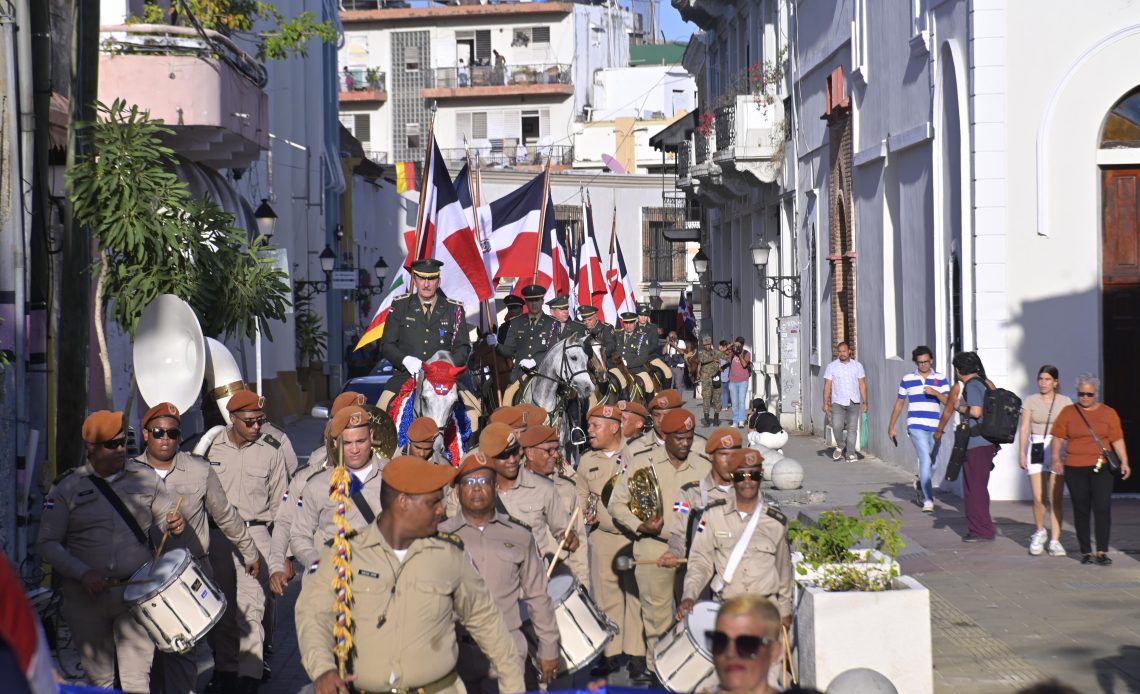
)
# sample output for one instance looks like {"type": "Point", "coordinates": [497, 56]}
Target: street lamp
{"type": "Point", "coordinates": [786, 285]}
{"type": "Point", "coordinates": [266, 220]}
{"type": "Point", "coordinates": [701, 262]}
{"type": "Point", "coordinates": [328, 260]}
{"type": "Point", "coordinates": [304, 290]}
{"type": "Point", "coordinates": [381, 270]}
{"type": "Point", "coordinates": [653, 290]}
{"type": "Point", "coordinates": [722, 288]}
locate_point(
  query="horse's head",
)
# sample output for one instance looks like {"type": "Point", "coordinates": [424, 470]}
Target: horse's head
{"type": "Point", "coordinates": [597, 360]}
{"type": "Point", "coordinates": [575, 368]}
{"type": "Point", "coordinates": [439, 391]}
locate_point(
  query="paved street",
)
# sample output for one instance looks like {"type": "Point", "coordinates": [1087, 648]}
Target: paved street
{"type": "Point", "coordinates": [1002, 618]}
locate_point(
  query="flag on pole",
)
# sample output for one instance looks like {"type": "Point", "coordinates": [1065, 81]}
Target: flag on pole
{"type": "Point", "coordinates": [592, 287]}
{"type": "Point", "coordinates": [399, 286]}
{"type": "Point", "coordinates": [686, 319]}
{"type": "Point", "coordinates": [621, 286]}
{"type": "Point", "coordinates": [513, 236]}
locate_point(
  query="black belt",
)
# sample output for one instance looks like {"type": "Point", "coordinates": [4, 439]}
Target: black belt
{"type": "Point", "coordinates": [248, 524]}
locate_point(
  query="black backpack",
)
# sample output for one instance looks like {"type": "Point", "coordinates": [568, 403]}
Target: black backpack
{"type": "Point", "coordinates": [1001, 415]}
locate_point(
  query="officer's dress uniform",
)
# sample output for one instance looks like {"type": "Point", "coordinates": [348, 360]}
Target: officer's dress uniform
{"type": "Point", "coordinates": [615, 593]}
{"type": "Point", "coordinates": [404, 633]}
{"type": "Point", "coordinates": [203, 500]}
{"type": "Point", "coordinates": [410, 331]}
{"type": "Point", "coordinates": [633, 346]}
{"type": "Point", "coordinates": [569, 329]}
{"type": "Point", "coordinates": [650, 331]}
{"type": "Point", "coordinates": [766, 568]}
{"type": "Point", "coordinates": [81, 531]}
{"type": "Point", "coordinates": [603, 333]}
{"type": "Point", "coordinates": [313, 523]}
{"type": "Point", "coordinates": [530, 337]}
{"type": "Point", "coordinates": [506, 556]}
{"type": "Point", "coordinates": [255, 479]}
{"type": "Point", "coordinates": [654, 583]}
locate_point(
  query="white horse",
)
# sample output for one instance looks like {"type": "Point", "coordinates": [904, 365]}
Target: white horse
{"type": "Point", "coordinates": [435, 394]}
{"type": "Point", "coordinates": [564, 371]}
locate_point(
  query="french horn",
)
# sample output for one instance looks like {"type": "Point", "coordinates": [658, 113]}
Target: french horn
{"type": "Point", "coordinates": [645, 494]}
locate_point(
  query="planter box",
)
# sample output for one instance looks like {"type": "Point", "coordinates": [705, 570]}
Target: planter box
{"type": "Point", "coordinates": [886, 631]}
{"type": "Point", "coordinates": [874, 562]}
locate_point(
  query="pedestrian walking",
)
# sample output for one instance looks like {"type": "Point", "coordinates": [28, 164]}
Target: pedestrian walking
{"type": "Point", "coordinates": [844, 399]}
{"type": "Point", "coordinates": [922, 392]}
{"type": "Point", "coordinates": [1090, 428]}
{"type": "Point", "coordinates": [979, 450]}
{"type": "Point", "coordinates": [1035, 453]}
{"type": "Point", "coordinates": [739, 373]}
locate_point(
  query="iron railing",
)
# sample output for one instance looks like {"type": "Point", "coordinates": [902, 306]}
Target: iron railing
{"type": "Point", "coordinates": [684, 160]}
{"type": "Point", "coordinates": [376, 156]}
{"type": "Point", "coordinates": [725, 123]}
{"type": "Point", "coordinates": [469, 76]}
{"type": "Point", "coordinates": [507, 153]}
{"type": "Point", "coordinates": [357, 79]}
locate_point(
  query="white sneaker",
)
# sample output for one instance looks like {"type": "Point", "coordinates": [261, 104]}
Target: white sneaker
{"type": "Point", "coordinates": [1056, 549]}
{"type": "Point", "coordinates": [928, 507]}
{"type": "Point", "coordinates": [837, 454]}
{"type": "Point", "coordinates": [1037, 542]}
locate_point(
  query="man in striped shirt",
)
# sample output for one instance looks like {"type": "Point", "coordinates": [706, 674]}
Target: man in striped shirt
{"type": "Point", "coordinates": [923, 392]}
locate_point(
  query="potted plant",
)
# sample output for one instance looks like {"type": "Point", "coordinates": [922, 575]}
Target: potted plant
{"type": "Point", "coordinates": [372, 76]}
{"type": "Point", "coordinates": [853, 608]}
{"type": "Point", "coordinates": [311, 341]}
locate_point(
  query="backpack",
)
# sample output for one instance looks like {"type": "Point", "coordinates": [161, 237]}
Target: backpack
{"type": "Point", "coordinates": [1001, 415]}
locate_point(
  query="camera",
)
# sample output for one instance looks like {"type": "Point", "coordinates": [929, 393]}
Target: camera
{"type": "Point", "coordinates": [737, 349]}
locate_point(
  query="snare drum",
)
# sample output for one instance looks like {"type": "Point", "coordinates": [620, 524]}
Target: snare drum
{"type": "Point", "coordinates": [681, 658]}
{"type": "Point", "coordinates": [583, 629]}
{"type": "Point", "coordinates": [177, 604]}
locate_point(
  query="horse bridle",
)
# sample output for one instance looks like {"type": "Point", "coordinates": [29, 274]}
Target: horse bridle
{"type": "Point", "coordinates": [564, 385]}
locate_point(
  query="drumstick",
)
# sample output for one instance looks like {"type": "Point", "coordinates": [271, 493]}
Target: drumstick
{"type": "Point", "coordinates": [791, 660]}
{"type": "Point", "coordinates": [627, 563]}
{"type": "Point", "coordinates": [565, 535]}
{"type": "Point", "coordinates": [165, 535]}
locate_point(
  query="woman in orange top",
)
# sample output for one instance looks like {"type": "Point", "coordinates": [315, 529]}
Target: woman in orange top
{"type": "Point", "coordinates": [1087, 475]}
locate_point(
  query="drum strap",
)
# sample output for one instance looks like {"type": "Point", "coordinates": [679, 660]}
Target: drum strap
{"type": "Point", "coordinates": [361, 505]}
{"type": "Point", "coordinates": [121, 509]}
{"type": "Point", "coordinates": [737, 555]}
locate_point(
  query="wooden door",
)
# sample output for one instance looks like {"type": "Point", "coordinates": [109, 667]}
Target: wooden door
{"type": "Point", "coordinates": [1121, 305]}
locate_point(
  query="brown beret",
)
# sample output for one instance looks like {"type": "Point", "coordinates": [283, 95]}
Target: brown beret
{"type": "Point", "coordinates": [346, 399]}
{"type": "Point", "coordinates": [351, 417]}
{"type": "Point", "coordinates": [724, 437]}
{"type": "Point", "coordinates": [606, 412]}
{"type": "Point", "coordinates": [162, 409]}
{"type": "Point", "coordinates": [423, 430]}
{"type": "Point", "coordinates": [102, 425]}
{"type": "Point", "coordinates": [495, 438]}
{"type": "Point", "coordinates": [511, 415]}
{"type": "Point", "coordinates": [678, 420]}
{"type": "Point", "coordinates": [532, 414]}
{"type": "Point", "coordinates": [472, 462]}
{"type": "Point", "coordinates": [536, 434]}
{"type": "Point", "coordinates": [412, 475]}
{"type": "Point", "coordinates": [745, 457]}
{"type": "Point", "coordinates": [666, 399]}
{"type": "Point", "coordinates": [633, 407]}
{"type": "Point", "coordinates": [245, 400]}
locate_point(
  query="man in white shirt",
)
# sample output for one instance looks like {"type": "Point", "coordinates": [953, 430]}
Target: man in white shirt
{"type": "Point", "coordinates": [844, 399]}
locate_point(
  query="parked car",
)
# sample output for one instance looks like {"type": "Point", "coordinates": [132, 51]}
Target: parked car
{"type": "Point", "coordinates": [371, 386]}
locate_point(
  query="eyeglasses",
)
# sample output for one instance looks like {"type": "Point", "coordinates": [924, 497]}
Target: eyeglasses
{"type": "Point", "coordinates": [739, 477]}
{"type": "Point", "coordinates": [923, 363]}
{"type": "Point", "coordinates": [476, 481]}
{"type": "Point", "coordinates": [159, 433]}
{"type": "Point", "coordinates": [115, 444]}
{"type": "Point", "coordinates": [1086, 395]}
{"type": "Point", "coordinates": [255, 422]}
{"type": "Point", "coordinates": [746, 646]}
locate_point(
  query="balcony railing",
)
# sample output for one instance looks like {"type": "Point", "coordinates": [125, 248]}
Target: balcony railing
{"type": "Point", "coordinates": [684, 161]}
{"type": "Point", "coordinates": [725, 123]}
{"type": "Point", "coordinates": [471, 76]}
{"type": "Point", "coordinates": [705, 145]}
{"type": "Point", "coordinates": [362, 79]}
{"type": "Point", "coordinates": [505, 153]}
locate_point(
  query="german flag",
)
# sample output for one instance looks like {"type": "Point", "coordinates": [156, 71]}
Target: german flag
{"type": "Point", "coordinates": [405, 176]}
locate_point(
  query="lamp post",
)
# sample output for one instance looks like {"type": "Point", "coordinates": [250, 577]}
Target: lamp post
{"type": "Point", "coordinates": [785, 285]}
{"type": "Point", "coordinates": [266, 220]}
{"type": "Point", "coordinates": [304, 289]}
{"type": "Point", "coordinates": [653, 291]}
{"type": "Point", "coordinates": [381, 271]}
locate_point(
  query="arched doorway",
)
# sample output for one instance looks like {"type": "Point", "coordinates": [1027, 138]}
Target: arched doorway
{"type": "Point", "coordinates": [1120, 274]}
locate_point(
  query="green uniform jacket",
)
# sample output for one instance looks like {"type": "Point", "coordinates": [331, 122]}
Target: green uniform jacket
{"type": "Point", "coordinates": [650, 330]}
{"type": "Point", "coordinates": [410, 332]}
{"type": "Point", "coordinates": [530, 340]}
{"type": "Point", "coordinates": [604, 334]}
{"type": "Point", "coordinates": [570, 327]}
{"type": "Point", "coordinates": [634, 348]}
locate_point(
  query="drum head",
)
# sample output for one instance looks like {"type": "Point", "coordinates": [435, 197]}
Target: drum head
{"type": "Point", "coordinates": [561, 587]}
{"type": "Point", "coordinates": [702, 619]}
{"type": "Point", "coordinates": [150, 583]}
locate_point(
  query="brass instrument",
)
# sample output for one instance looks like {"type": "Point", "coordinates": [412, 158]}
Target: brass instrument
{"type": "Point", "coordinates": [645, 494]}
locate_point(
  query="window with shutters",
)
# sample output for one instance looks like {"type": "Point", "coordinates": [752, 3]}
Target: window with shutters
{"type": "Point", "coordinates": [412, 58]}
{"type": "Point", "coordinates": [483, 46]}
{"type": "Point", "coordinates": [540, 35]}
{"type": "Point", "coordinates": [362, 127]}
{"type": "Point", "coordinates": [471, 124]}
{"type": "Point", "coordinates": [412, 135]}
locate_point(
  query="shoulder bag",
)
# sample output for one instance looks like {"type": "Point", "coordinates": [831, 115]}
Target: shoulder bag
{"type": "Point", "coordinates": [1107, 455]}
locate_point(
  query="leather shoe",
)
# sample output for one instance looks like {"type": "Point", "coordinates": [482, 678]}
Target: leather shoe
{"type": "Point", "coordinates": [1103, 559]}
{"type": "Point", "coordinates": [971, 537]}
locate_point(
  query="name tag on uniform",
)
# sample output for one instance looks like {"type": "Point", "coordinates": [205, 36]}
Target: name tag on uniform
{"type": "Point", "coordinates": [215, 463]}
{"type": "Point", "coordinates": [369, 574]}
{"type": "Point", "coordinates": [85, 493]}
{"type": "Point", "coordinates": [722, 534]}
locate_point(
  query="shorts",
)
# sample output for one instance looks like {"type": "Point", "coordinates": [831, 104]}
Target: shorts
{"type": "Point", "coordinates": [1037, 468]}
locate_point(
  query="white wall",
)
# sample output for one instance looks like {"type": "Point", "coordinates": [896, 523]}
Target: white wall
{"type": "Point", "coordinates": [642, 91]}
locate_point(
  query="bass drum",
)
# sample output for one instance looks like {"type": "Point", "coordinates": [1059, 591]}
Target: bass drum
{"type": "Point", "coordinates": [584, 630]}
{"type": "Point", "coordinates": [681, 658]}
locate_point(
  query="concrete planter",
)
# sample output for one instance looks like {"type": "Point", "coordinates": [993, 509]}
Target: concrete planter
{"type": "Point", "coordinates": [874, 563]}
{"type": "Point", "coordinates": [887, 631]}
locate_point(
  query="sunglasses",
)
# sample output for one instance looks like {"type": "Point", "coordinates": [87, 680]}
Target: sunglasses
{"type": "Point", "coordinates": [746, 646]}
{"type": "Point", "coordinates": [476, 481]}
{"type": "Point", "coordinates": [739, 477]}
{"type": "Point", "coordinates": [1086, 395]}
{"type": "Point", "coordinates": [256, 422]}
{"type": "Point", "coordinates": [115, 444]}
{"type": "Point", "coordinates": [509, 453]}
{"type": "Point", "coordinates": [159, 433]}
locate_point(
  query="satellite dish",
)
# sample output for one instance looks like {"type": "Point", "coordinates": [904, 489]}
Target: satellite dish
{"type": "Point", "coordinates": [613, 164]}
{"type": "Point", "coordinates": [169, 353]}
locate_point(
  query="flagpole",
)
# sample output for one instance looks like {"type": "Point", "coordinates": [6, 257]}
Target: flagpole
{"type": "Point", "coordinates": [428, 153]}
{"type": "Point", "coordinates": [588, 218]}
{"type": "Point", "coordinates": [541, 220]}
{"type": "Point", "coordinates": [473, 183]}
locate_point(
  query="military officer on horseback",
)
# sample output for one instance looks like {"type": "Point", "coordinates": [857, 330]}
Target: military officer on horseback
{"type": "Point", "coordinates": [422, 323]}
{"type": "Point", "coordinates": [600, 331]}
{"type": "Point", "coordinates": [530, 336]}
{"type": "Point", "coordinates": [633, 344]}
{"type": "Point", "coordinates": [514, 305]}
{"type": "Point", "coordinates": [560, 312]}
{"type": "Point", "coordinates": [648, 327]}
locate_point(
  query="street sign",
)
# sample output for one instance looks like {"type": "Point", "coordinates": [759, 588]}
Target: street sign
{"type": "Point", "coordinates": [344, 279]}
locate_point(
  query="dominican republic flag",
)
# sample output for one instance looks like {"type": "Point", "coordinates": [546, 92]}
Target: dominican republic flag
{"type": "Point", "coordinates": [465, 187]}
{"type": "Point", "coordinates": [592, 287]}
{"type": "Point", "coordinates": [621, 286]}
{"type": "Point", "coordinates": [686, 319]}
{"type": "Point", "coordinates": [514, 237]}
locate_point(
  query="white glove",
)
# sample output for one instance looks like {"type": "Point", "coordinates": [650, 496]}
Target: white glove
{"type": "Point", "coordinates": [413, 365]}
{"type": "Point", "coordinates": [527, 363]}
{"type": "Point", "coordinates": [492, 339]}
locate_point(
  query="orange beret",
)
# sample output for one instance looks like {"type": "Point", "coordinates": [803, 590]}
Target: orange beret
{"type": "Point", "coordinates": [724, 437]}
{"type": "Point", "coordinates": [351, 417]}
{"type": "Point", "coordinates": [245, 400]}
{"type": "Point", "coordinates": [605, 412]}
{"type": "Point", "coordinates": [536, 434]}
{"type": "Point", "coordinates": [423, 430]}
{"type": "Point", "coordinates": [633, 407]}
{"type": "Point", "coordinates": [532, 414]}
{"type": "Point", "coordinates": [745, 457]}
{"type": "Point", "coordinates": [102, 425]}
{"type": "Point", "coordinates": [665, 400]}
{"type": "Point", "coordinates": [412, 475]}
{"type": "Point", "coordinates": [495, 438]}
{"type": "Point", "coordinates": [677, 421]}
{"type": "Point", "coordinates": [346, 399]}
{"type": "Point", "coordinates": [162, 409]}
{"type": "Point", "coordinates": [473, 461]}
{"type": "Point", "coordinates": [510, 415]}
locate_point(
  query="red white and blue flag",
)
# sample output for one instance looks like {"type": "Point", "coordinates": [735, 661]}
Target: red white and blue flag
{"type": "Point", "coordinates": [514, 237]}
{"type": "Point", "coordinates": [686, 319]}
{"type": "Point", "coordinates": [592, 287]}
{"type": "Point", "coordinates": [621, 286]}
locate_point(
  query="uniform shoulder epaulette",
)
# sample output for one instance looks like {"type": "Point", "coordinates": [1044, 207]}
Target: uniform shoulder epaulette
{"type": "Point", "coordinates": [775, 513]}
{"type": "Point", "coordinates": [564, 476]}
{"type": "Point", "coordinates": [690, 485]}
{"type": "Point", "coordinates": [300, 468]}
{"type": "Point", "coordinates": [402, 297]}
{"type": "Point", "coordinates": [315, 472]}
{"type": "Point", "coordinates": [716, 502]}
{"type": "Point", "coordinates": [348, 536]}
{"type": "Point", "coordinates": [270, 440]}
{"type": "Point", "coordinates": [647, 449]}
{"type": "Point", "coordinates": [62, 475]}
{"type": "Point", "coordinates": [450, 537]}
{"type": "Point", "coordinates": [200, 459]}
{"type": "Point", "coordinates": [453, 301]}
{"type": "Point", "coordinates": [516, 521]}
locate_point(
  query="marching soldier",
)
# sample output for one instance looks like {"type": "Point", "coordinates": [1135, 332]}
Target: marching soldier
{"type": "Point", "coordinates": [422, 435]}
{"type": "Point", "coordinates": [313, 522]}
{"type": "Point", "coordinates": [648, 328]}
{"type": "Point", "coordinates": [421, 324]}
{"type": "Point", "coordinates": [662, 404]}
{"type": "Point", "coordinates": [542, 455]}
{"type": "Point", "coordinates": [602, 332]}
{"type": "Point", "coordinates": [191, 478]}
{"type": "Point", "coordinates": [632, 344]}
{"type": "Point", "coordinates": [511, 415]}
{"type": "Point", "coordinates": [560, 312]}
{"type": "Point", "coordinates": [530, 336]}
{"type": "Point", "coordinates": [533, 415]}
{"type": "Point", "coordinates": [506, 556]}
{"type": "Point", "coordinates": [695, 497]}
{"type": "Point", "coordinates": [615, 593]}
{"type": "Point", "coordinates": [407, 582]}
{"type": "Point", "coordinates": [633, 417]}
{"type": "Point", "coordinates": [765, 567]}
{"type": "Point", "coordinates": [709, 368]}
{"type": "Point", "coordinates": [271, 432]}
{"type": "Point", "coordinates": [672, 466]}
{"type": "Point", "coordinates": [253, 473]}
{"type": "Point", "coordinates": [97, 529]}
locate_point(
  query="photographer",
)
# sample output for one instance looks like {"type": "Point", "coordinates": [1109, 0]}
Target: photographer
{"type": "Point", "coordinates": [673, 352]}
{"type": "Point", "coordinates": [739, 372]}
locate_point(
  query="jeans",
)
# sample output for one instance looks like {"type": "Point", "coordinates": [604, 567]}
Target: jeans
{"type": "Point", "coordinates": [976, 490]}
{"type": "Point", "coordinates": [845, 425]}
{"type": "Point", "coordinates": [738, 391]}
{"type": "Point", "coordinates": [1090, 492]}
{"type": "Point", "coordinates": [927, 450]}
{"type": "Point", "coordinates": [723, 391]}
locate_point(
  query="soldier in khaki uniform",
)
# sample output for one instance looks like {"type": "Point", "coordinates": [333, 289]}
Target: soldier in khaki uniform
{"type": "Point", "coordinates": [542, 455]}
{"type": "Point", "coordinates": [271, 432]}
{"type": "Point", "coordinates": [506, 556]}
{"type": "Point", "coordinates": [633, 417]}
{"type": "Point", "coordinates": [253, 474]}
{"type": "Point", "coordinates": [407, 583]}
{"type": "Point", "coordinates": [766, 567]}
{"type": "Point", "coordinates": [673, 467]}
{"type": "Point", "coordinates": [93, 550]}
{"type": "Point", "coordinates": [530, 336]}
{"type": "Point", "coordinates": [662, 404]}
{"type": "Point", "coordinates": [422, 435]}
{"type": "Point", "coordinates": [313, 521]}
{"type": "Point", "coordinates": [560, 311]}
{"type": "Point", "coordinates": [513, 416]}
{"type": "Point", "coordinates": [695, 497]}
{"type": "Point", "coordinates": [191, 479]}
{"type": "Point", "coordinates": [615, 593]}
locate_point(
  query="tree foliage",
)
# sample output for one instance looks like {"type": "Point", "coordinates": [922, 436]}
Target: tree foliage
{"type": "Point", "coordinates": [158, 239]}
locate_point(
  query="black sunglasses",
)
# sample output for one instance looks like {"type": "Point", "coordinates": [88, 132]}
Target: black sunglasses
{"type": "Point", "coordinates": [159, 432]}
{"type": "Point", "coordinates": [256, 422]}
{"type": "Point", "coordinates": [114, 444]}
{"type": "Point", "coordinates": [747, 475]}
{"type": "Point", "coordinates": [1086, 395]}
{"type": "Point", "coordinates": [746, 646]}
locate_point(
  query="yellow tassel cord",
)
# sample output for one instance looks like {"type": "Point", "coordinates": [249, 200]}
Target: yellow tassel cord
{"type": "Point", "coordinates": [342, 631]}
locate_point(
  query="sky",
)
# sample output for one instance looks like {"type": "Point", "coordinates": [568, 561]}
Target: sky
{"type": "Point", "coordinates": [672, 25]}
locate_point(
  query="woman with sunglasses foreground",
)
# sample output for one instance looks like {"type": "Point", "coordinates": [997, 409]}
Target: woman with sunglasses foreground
{"type": "Point", "coordinates": [745, 643]}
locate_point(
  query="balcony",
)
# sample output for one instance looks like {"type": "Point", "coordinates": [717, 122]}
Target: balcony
{"type": "Point", "coordinates": [404, 12]}
{"type": "Point", "coordinates": [206, 90]}
{"type": "Point", "coordinates": [363, 85]}
{"type": "Point", "coordinates": [685, 161]}
{"type": "Point", "coordinates": [508, 154]}
{"type": "Point", "coordinates": [686, 223]}
{"type": "Point", "coordinates": [703, 13]}
{"type": "Point", "coordinates": [750, 138]}
{"type": "Point", "coordinates": [480, 81]}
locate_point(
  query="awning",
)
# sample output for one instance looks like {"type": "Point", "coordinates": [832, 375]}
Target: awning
{"type": "Point", "coordinates": [690, 232]}
{"type": "Point", "coordinates": [671, 136]}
